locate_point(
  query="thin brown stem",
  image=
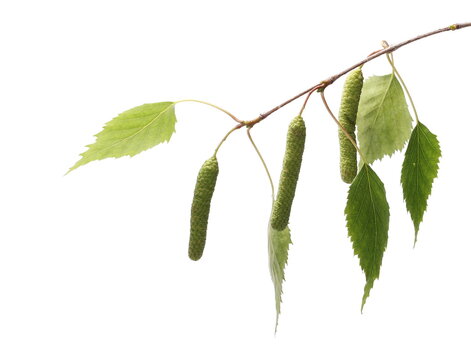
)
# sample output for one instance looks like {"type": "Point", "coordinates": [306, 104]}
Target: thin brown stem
{"type": "Point", "coordinates": [237, 127]}
{"type": "Point", "coordinates": [354, 143]}
{"type": "Point", "coordinates": [374, 55]}
{"type": "Point", "coordinates": [306, 100]}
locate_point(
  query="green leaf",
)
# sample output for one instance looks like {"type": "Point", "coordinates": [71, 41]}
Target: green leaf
{"type": "Point", "coordinates": [278, 246]}
{"type": "Point", "coordinates": [131, 132]}
{"type": "Point", "coordinates": [367, 214]}
{"type": "Point", "coordinates": [419, 169]}
{"type": "Point", "coordinates": [383, 121]}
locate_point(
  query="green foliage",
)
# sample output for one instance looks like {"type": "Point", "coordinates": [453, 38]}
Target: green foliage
{"type": "Point", "coordinates": [376, 109]}
{"type": "Point", "coordinates": [131, 132]}
{"type": "Point", "coordinates": [367, 214]}
{"type": "Point", "coordinates": [419, 169]}
{"type": "Point", "coordinates": [289, 174]}
{"type": "Point", "coordinates": [200, 207]}
{"type": "Point", "coordinates": [384, 122]}
{"type": "Point", "coordinates": [278, 246]}
{"type": "Point", "coordinates": [347, 118]}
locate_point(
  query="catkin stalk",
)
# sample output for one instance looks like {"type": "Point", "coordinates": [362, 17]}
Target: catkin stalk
{"type": "Point", "coordinates": [290, 172]}
{"type": "Point", "coordinates": [347, 118]}
{"type": "Point", "coordinates": [200, 207]}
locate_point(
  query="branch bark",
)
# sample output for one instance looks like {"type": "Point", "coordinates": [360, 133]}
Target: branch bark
{"type": "Point", "coordinates": [333, 78]}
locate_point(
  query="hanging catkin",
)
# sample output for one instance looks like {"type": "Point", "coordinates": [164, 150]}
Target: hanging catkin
{"type": "Point", "coordinates": [289, 174]}
{"type": "Point", "coordinates": [347, 118]}
{"type": "Point", "coordinates": [200, 207]}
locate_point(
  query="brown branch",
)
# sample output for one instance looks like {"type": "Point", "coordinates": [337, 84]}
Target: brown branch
{"type": "Point", "coordinates": [374, 55]}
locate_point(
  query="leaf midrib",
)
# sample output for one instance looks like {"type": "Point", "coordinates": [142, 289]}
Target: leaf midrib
{"type": "Point", "coordinates": [383, 98]}
{"type": "Point", "coordinates": [374, 212]}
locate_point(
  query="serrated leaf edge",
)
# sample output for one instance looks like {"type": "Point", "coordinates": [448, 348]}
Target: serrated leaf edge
{"type": "Point", "coordinates": [78, 163]}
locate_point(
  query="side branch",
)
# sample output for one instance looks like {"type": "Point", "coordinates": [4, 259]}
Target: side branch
{"type": "Point", "coordinates": [332, 79]}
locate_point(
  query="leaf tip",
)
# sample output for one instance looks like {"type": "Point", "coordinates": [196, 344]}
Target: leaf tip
{"type": "Point", "coordinates": [366, 293]}
{"type": "Point", "coordinates": [71, 169]}
{"type": "Point", "coordinates": [76, 165]}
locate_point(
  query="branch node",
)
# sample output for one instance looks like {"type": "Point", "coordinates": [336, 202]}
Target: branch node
{"type": "Point", "coordinates": [327, 82]}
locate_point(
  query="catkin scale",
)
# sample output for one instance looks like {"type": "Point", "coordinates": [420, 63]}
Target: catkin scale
{"type": "Point", "coordinates": [204, 189]}
{"type": "Point", "coordinates": [347, 118]}
{"type": "Point", "coordinates": [290, 172]}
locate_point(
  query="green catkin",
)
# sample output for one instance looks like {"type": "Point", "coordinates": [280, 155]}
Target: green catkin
{"type": "Point", "coordinates": [347, 118]}
{"type": "Point", "coordinates": [289, 174]}
{"type": "Point", "coordinates": [200, 207]}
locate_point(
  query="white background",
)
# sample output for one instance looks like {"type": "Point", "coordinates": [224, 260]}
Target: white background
{"type": "Point", "coordinates": [93, 265]}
